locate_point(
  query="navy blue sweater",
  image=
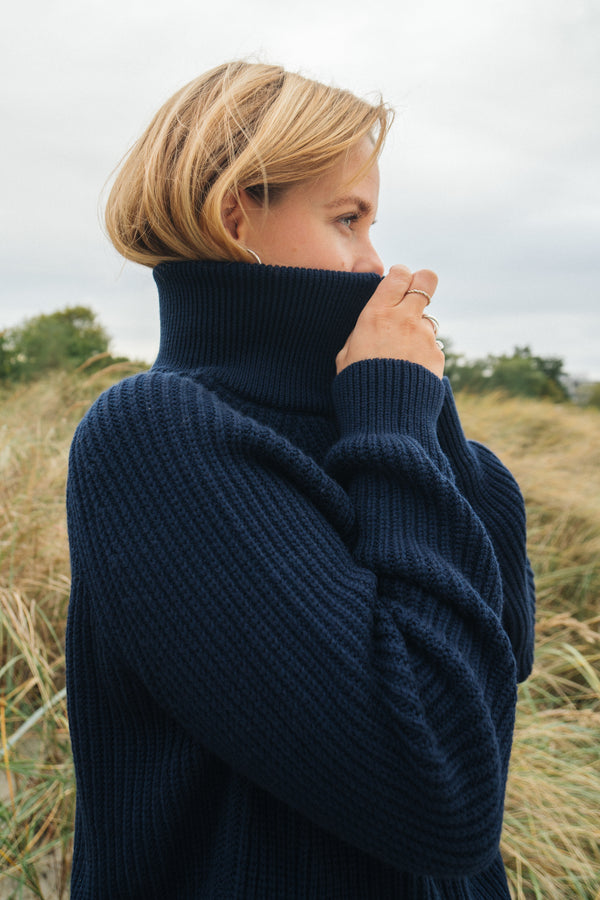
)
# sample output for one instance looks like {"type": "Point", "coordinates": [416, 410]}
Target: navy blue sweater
{"type": "Point", "coordinates": [300, 607]}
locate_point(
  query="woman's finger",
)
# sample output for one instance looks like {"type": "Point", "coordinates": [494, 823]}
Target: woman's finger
{"type": "Point", "coordinates": [392, 323]}
{"type": "Point", "coordinates": [401, 285]}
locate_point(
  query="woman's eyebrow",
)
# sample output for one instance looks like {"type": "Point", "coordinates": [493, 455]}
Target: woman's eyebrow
{"type": "Point", "coordinates": [363, 206]}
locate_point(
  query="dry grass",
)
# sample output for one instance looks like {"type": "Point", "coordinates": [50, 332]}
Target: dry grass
{"type": "Point", "coordinates": [551, 838]}
{"type": "Point", "coordinates": [552, 830]}
{"type": "Point", "coordinates": [36, 777]}
{"type": "Point", "coordinates": [554, 450]}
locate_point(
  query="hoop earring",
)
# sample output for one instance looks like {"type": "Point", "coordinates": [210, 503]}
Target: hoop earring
{"type": "Point", "coordinates": [255, 255]}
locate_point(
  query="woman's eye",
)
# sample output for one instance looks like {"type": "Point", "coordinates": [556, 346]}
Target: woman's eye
{"type": "Point", "coordinates": [349, 220]}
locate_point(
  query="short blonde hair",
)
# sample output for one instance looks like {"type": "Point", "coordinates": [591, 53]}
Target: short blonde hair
{"type": "Point", "coordinates": [241, 125]}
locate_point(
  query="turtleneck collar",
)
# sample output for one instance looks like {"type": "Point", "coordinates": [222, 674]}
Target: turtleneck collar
{"type": "Point", "coordinates": [267, 333]}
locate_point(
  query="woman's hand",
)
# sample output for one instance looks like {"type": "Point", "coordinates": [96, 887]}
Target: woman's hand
{"type": "Point", "coordinates": [392, 326]}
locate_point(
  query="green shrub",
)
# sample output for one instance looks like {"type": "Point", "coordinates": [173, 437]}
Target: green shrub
{"type": "Point", "coordinates": [60, 340]}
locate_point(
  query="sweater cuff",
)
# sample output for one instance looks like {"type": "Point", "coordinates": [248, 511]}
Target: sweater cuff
{"type": "Point", "coordinates": [389, 396]}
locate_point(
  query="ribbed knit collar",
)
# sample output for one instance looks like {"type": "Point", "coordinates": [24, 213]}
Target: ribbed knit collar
{"type": "Point", "coordinates": [268, 333]}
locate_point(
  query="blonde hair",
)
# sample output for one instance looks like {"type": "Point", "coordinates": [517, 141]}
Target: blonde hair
{"type": "Point", "coordinates": [241, 125]}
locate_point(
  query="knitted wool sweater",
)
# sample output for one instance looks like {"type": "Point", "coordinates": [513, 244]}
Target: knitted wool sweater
{"type": "Point", "coordinates": [300, 607]}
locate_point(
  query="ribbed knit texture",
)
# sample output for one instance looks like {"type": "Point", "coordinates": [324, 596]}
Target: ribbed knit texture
{"type": "Point", "coordinates": [300, 606]}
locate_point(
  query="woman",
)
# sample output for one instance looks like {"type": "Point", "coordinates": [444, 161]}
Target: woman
{"type": "Point", "coordinates": [301, 600]}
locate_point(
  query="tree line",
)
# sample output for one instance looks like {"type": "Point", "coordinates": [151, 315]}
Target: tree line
{"type": "Point", "coordinates": [67, 339]}
{"type": "Point", "coordinates": [62, 340]}
{"type": "Point", "coordinates": [521, 374]}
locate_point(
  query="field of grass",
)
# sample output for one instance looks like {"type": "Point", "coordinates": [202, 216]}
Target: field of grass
{"type": "Point", "coordinates": [551, 841]}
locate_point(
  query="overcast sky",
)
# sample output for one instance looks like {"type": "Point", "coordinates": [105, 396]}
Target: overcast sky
{"type": "Point", "coordinates": [491, 175]}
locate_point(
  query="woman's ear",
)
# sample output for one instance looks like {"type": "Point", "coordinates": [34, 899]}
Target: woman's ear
{"type": "Point", "coordinates": [235, 215]}
{"type": "Point", "coordinates": [231, 214]}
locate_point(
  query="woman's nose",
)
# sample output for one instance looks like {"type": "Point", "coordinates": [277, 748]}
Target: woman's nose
{"type": "Point", "coordinates": [368, 261]}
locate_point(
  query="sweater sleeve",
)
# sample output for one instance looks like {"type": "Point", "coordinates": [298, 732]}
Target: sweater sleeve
{"type": "Point", "coordinates": [333, 637]}
{"type": "Point", "coordinates": [495, 496]}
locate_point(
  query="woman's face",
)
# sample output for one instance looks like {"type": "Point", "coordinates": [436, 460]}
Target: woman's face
{"type": "Point", "coordinates": [323, 223]}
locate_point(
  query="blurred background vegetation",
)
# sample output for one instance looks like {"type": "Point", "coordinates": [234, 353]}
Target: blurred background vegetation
{"type": "Point", "coordinates": [59, 341]}
{"type": "Point", "coordinates": [545, 428]}
{"type": "Point", "coordinates": [70, 337]}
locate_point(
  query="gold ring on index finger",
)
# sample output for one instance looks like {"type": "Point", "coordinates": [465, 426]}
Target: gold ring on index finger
{"type": "Point", "coordinates": [417, 291]}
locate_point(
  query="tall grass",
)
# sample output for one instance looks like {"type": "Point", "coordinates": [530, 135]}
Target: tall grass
{"type": "Point", "coordinates": [36, 775]}
{"type": "Point", "coordinates": [551, 841]}
{"type": "Point", "coordinates": [551, 838]}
